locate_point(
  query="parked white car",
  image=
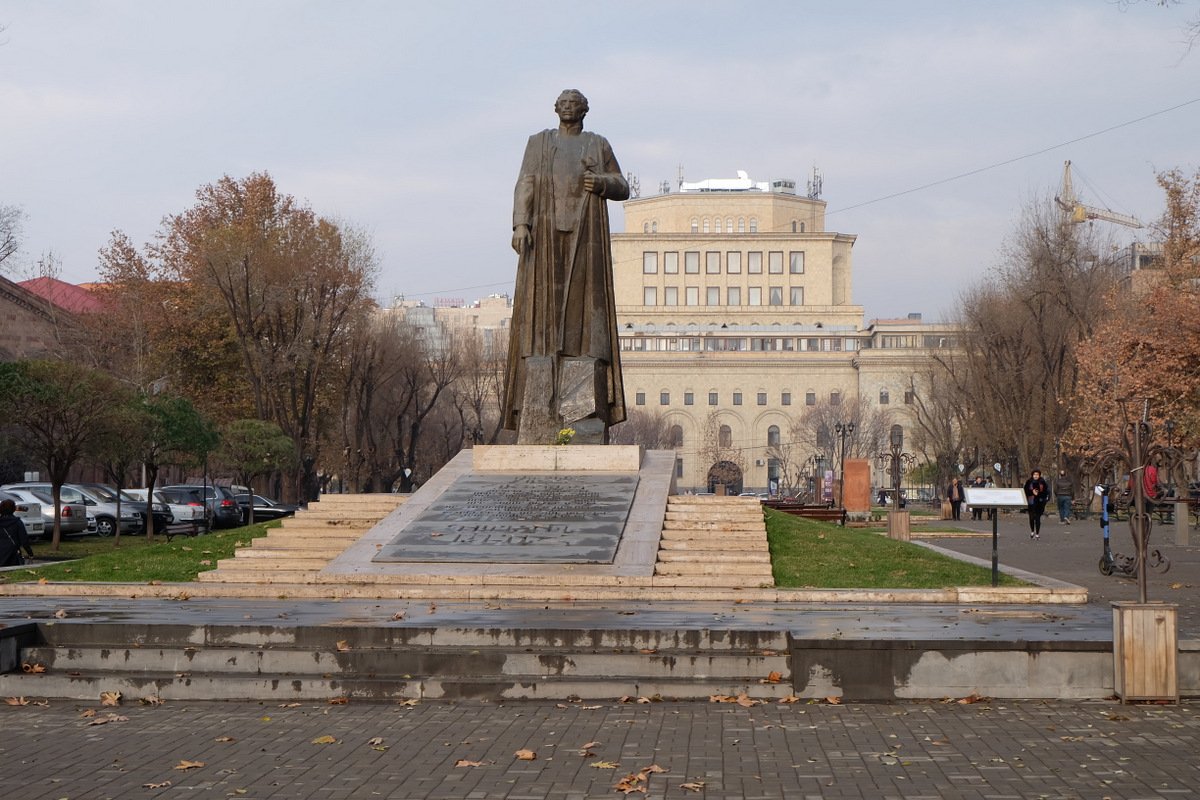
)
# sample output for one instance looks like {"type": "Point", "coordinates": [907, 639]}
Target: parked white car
{"type": "Point", "coordinates": [184, 514]}
{"type": "Point", "coordinates": [30, 513]}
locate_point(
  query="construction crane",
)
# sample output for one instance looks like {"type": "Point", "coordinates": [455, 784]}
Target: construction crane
{"type": "Point", "coordinates": [1078, 212]}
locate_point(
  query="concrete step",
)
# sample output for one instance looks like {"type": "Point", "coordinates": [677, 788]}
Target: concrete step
{"type": "Point", "coordinates": [709, 545]}
{"type": "Point", "coordinates": [710, 568]}
{"type": "Point", "coordinates": [713, 557]}
{"type": "Point", "coordinates": [707, 524]}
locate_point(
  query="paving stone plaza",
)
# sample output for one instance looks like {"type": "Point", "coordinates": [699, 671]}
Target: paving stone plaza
{"type": "Point", "coordinates": [980, 748]}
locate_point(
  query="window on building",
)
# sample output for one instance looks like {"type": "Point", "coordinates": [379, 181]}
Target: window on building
{"type": "Point", "coordinates": [649, 296]}
{"type": "Point", "coordinates": [689, 398]}
{"type": "Point", "coordinates": [712, 263]}
{"type": "Point", "coordinates": [712, 398]}
{"type": "Point", "coordinates": [639, 399]}
{"type": "Point", "coordinates": [705, 225]}
{"type": "Point", "coordinates": [679, 468]}
{"type": "Point", "coordinates": [725, 436]}
{"type": "Point", "coordinates": [649, 263]}
{"type": "Point", "coordinates": [712, 296]}
{"type": "Point", "coordinates": [733, 296]}
{"type": "Point", "coordinates": [654, 227]}
{"type": "Point", "coordinates": [717, 225]}
{"type": "Point", "coordinates": [691, 262]}
{"type": "Point", "coordinates": [733, 262]}
{"type": "Point", "coordinates": [754, 296]}
{"type": "Point", "coordinates": [754, 263]}
{"type": "Point", "coordinates": [664, 398]}
{"type": "Point", "coordinates": [884, 397]}
{"type": "Point", "coordinates": [910, 397]}
{"type": "Point", "coordinates": [671, 296]}
{"type": "Point", "coordinates": [741, 224]}
{"type": "Point", "coordinates": [776, 295]}
{"type": "Point", "coordinates": [810, 398]}
{"type": "Point", "coordinates": [729, 224]}
{"type": "Point", "coordinates": [775, 262]}
{"type": "Point", "coordinates": [785, 399]}
{"type": "Point", "coordinates": [796, 262]}
{"type": "Point", "coordinates": [753, 225]}
{"type": "Point", "coordinates": [796, 295]}
{"type": "Point", "coordinates": [671, 263]}
{"type": "Point", "coordinates": [835, 398]}
{"type": "Point", "coordinates": [762, 398]}
{"type": "Point", "coordinates": [737, 398]}
{"type": "Point", "coordinates": [691, 295]}
{"type": "Point", "coordinates": [773, 436]}
{"type": "Point", "coordinates": [794, 226]}
{"type": "Point", "coordinates": [695, 225]}
{"type": "Point", "coordinates": [675, 436]}
{"type": "Point", "coordinates": [645, 227]}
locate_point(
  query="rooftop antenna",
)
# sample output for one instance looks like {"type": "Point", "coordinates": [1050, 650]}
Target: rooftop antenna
{"type": "Point", "coordinates": [815, 184]}
{"type": "Point", "coordinates": [635, 186]}
{"type": "Point", "coordinates": [680, 176]}
{"type": "Point", "coordinates": [664, 187]}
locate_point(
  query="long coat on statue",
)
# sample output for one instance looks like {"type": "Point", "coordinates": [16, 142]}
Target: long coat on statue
{"type": "Point", "coordinates": [563, 303]}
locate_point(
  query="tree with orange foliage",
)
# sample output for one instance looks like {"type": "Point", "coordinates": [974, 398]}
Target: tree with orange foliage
{"type": "Point", "coordinates": [1148, 346]}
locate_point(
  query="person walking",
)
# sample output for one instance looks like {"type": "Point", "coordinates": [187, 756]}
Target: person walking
{"type": "Point", "coordinates": [977, 483]}
{"type": "Point", "coordinates": [13, 537]}
{"type": "Point", "coordinates": [954, 493]}
{"type": "Point", "coordinates": [1037, 494]}
{"type": "Point", "coordinates": [1064, 494]}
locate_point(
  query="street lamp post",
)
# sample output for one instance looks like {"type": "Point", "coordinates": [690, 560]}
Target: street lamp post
{"type": "Point", "coordinates": [842, 432]}
{"type": "Point", "coordinates": [897, 460]}
{"type": "Point", "coordinates": [818, 477]}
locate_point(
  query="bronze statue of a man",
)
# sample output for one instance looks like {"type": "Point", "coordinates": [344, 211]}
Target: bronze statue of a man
{"type": "Point", "coordinates": [563, 364]}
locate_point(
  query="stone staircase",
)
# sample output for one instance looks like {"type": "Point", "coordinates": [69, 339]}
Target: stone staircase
{"type": "Point", "coordinates": [305, 543]}
{"type": "Point", "coordinates": [714, 541]}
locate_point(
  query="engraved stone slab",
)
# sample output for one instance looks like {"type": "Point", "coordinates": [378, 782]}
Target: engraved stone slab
{"type": "Point", "coordinates": [529, 518]}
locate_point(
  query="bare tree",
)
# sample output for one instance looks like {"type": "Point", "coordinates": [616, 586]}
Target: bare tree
{"type": "Point", "coordinates": [1018, 372]}
{"type": "Point", "coordinates": [647, 428]}
{"type": "Point", "coordinates": [11, 218]}
{"type": "Point", "coordinates": [718, 449]}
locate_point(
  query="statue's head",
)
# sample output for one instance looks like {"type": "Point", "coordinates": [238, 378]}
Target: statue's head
{"type": "Point", "coordinates": [580, 102]}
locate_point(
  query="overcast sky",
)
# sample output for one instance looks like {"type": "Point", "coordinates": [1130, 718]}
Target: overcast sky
{"type": "Point", "coordinates": [409, 119]}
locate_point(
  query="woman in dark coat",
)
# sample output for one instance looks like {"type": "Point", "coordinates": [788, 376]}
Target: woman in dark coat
{"type": "Point", "coordinates": [13, 538]}
{"type": "Point", "coordinates": [1037, 493]}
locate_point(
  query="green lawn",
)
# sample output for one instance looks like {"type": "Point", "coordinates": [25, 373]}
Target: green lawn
{"type": "Point", "coordinates": [135, 561]}
{"type": "Point", "coordinates": [818, 555]}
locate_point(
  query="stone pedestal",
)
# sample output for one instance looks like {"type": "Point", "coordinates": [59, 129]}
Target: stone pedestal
{"type": "Point", "coordinates": [1146, 651]}
{"type": "Point", "coordinates": [899, 526]}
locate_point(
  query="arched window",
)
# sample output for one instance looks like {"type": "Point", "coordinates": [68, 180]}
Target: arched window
{"type": "Point", "coordinates": [717, 225]}
{"type": "Point", "coordinates": [753, 225]}
{"type": "Point", "coordinates": [645, 227]}
{"type": "Point", "coordinates": [695, 225]}
{"type": "Point", "coordinates": [802, 227]}
{"type": "Point", "coordinates": [729, 224]}
{"type": "Point", "coordinates": [725, 437]}
{"type": "Point", "coordinates": [741, 224]}
{"type": "Point", "coordinates": [793, 226]}
{"type": "Point", "coordinates": [706, 225]}
{"type": "Point", "coordinates": [773, 436]}
{"type": "Point", "coordinates": [654, 226]}
{"type": "Point", "coordinates": [675, 437]}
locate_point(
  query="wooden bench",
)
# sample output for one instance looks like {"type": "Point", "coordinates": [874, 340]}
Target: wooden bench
{"type": "Point", "coordinates": [817, 512]}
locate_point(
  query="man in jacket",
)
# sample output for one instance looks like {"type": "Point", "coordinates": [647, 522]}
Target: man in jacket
{"type": "Point", "coordinates": [1064, 493]}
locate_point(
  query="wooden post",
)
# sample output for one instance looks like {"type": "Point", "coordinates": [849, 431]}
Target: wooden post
{"type": "Point", "coordinates": [899, 525]}
{"type": "Point", "coordinates": [1146, 651]}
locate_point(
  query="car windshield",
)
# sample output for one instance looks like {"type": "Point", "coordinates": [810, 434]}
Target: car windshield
{"type": "Point", "coordinates": [126, 497]}
{"type": "Point", "coordinates": [104, 493]}
{"type": "Point", "coordinates": [65, 495]}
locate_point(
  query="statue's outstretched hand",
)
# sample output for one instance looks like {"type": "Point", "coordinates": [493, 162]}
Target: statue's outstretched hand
{"type": "Point", "coordinates": [521, 240]}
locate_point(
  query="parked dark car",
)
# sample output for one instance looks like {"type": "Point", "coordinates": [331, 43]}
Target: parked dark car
{"type": "Point", "coordinates": [264, 508]}
{"type": "Point", "coordinates": [223, 509]}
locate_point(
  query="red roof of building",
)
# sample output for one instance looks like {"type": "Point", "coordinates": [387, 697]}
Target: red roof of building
{"type": "Point", "coordinates": [66, 296]}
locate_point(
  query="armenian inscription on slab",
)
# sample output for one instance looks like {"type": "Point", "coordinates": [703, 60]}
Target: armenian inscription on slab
{"type": "Point", "coordinates": [571, 518]}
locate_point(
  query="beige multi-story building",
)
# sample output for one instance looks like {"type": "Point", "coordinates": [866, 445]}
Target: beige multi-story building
{"type": "Point", "coordinates": [735, 311]}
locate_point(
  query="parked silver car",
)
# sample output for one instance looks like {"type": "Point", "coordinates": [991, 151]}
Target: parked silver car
{"type": "Point", "coordinates": [73, 511]}
{"type": "Point", "coordinates": [101, 503]}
